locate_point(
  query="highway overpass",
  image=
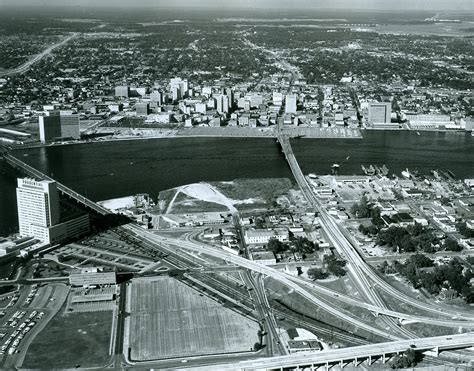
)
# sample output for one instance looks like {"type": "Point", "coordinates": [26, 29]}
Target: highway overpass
{"type": "Point", "coordinates": [352, 355]}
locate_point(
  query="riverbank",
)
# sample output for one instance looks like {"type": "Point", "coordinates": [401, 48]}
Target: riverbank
{"type": "Point", "coordinates": [119, 168]}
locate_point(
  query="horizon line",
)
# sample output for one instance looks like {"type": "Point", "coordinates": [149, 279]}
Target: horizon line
{"type": "Point", "coordinates": [231, 7]}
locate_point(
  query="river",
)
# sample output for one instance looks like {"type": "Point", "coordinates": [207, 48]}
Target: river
{"type": "Point", "coordinates": [115, 169]}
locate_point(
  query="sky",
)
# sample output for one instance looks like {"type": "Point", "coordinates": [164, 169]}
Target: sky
{"type": "Point", "coordinates": [461, 5]}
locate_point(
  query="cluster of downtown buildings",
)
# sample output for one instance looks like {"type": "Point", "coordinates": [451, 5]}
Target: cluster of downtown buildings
{"type": "Point", "coordinates": [272, 100]}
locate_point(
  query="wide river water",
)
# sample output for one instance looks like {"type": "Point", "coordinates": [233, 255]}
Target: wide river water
{"type": "Point", "coordinates": [121, 168]}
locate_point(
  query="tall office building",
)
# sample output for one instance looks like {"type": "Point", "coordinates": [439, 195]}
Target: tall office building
{"type": "Point", "coordinates": [277, 99]}
{"type": "Point", "coordinates": [57, 126]}
{"type": "Point", "coordinates": [122, 91]}
{"type": "Point", "coordinates": [380, 113]}
{"type": "Point", "coordinates": [179, 88]}
{"type": "Point", "coordinates": [230, 94]}
{"type": "Point", "coordinates": [49, 128]}
{"type": "Point", "coordinates": [70, 126]}
{"type": "Point", "coordinates": [290, 104]}
{"type": "Point", "coordinates": [142, 109]}
{"type": "Point", "coordinates": [39, 213]}
{"type": "Point", "coordinates": [156, 96]}
{"type": "Point", "coordinates": [38, 207]}
{"type": "Point", "coordinates": [226, 103]}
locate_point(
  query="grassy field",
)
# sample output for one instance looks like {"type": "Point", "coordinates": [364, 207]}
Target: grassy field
{"type": "Point", "coordinates": [263, 191]}
{"type": "Point", "coordinates": [72, 340]}
{"type": "Point", "coordinates": [169, 319]}
{"type": "Point", "coordinates": [185, 204]}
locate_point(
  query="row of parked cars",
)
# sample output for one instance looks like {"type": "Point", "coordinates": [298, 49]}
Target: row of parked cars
{"type": "Point", "coordinates": [22, 326]}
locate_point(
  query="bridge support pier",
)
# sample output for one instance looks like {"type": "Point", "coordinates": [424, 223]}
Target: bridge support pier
{"type": "Point", "coordinates": [383, 358]}
{"type": "Point", "coordinates": [370, 360]}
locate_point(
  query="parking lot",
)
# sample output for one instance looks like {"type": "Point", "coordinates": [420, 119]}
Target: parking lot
{"type": "Point", "coordinates": [182, 322]}
{"type": "Point", "coordinates": [28, 311]}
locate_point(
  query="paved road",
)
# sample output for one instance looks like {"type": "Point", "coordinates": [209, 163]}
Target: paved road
{"type": "Point", "coordinates": [273, 341]}
{"type": "Point", "coordinates": [360, 271]}
{"type": "Point", "coordinates": [165, 243]}
{"type": "Point", "coordinates": [348, 354]}
{"type": "Point", "coordinates": [295, 283]}
{"type": "Point", "coordinates": [27, 65]}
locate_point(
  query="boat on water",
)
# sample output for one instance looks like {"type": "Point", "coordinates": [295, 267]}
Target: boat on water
{"type": "Point", "coordinates": [418, 133]}
{"type": "Point", "coordinates": [384, 170]}
{"type": "Point", "coordinates": [406, 174]}
{"type": "Point", "coordinates": [368, 171]}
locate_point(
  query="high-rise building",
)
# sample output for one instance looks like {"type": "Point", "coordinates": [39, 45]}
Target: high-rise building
{"type": "Point", "coordinates": [49, 128]}
{"type": "Point", "coordinates": [70, 126]}
{"type": "Point", "coordinates": [142, 109]}
{"type": "Point", "coordinates": [290, 104]}
{"type": "Point", "coordinates": [225, 103]}
{"type": "Point", "coordinates": [222, 103]}
{"type": "Point", "coordinates": [156, 97]}
{"type": "Point", "coordinates": [179, 88]}
{"type": "Point", "coordinates": [218, 98]}
{"type": "Point", "coordinates": [122, 91]}
{"type": "Point", "coordinates": [230, 94]}
{"type": "Point", "coordinates": [277, 98]}
{"type": "Point", "coordinates": [380, 113]}
{"type": "Point", "coordinates": [38, 207]}
{"type": "Point", "coordinates": [39, 213]}
{"type": "Point", "coordinates": [56, 126]}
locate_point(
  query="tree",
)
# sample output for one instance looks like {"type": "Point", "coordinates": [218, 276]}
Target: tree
{"type": "Point", "coordinates": [276, 246]}
{"type": "Point", "coordinates": [304, 245]}
{"type": "Point", "coordinates": [420, 261]}
{"type": "Point", "coordinates": [335, 266]}
{"type": "Point", "coordinates": [362, 209]}
{"type": "Point", "coordinates": [451, 244]}
{"type": "Point", "coordinates": [257, 346]}
{"type": "Point", "coordinates": [408, 359]}
{"type": "Point", "coordinates": [465, 231]}
{"type": "Point", "coordinates": [317, 274]}
{"type": "Point", "coordinates": [377, 218]}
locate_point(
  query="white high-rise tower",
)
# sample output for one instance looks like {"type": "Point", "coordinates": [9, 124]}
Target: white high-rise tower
{"type": "Point", "coordinates": [38, 207]}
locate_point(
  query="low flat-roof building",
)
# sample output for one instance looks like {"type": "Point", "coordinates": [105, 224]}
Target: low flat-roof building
{"type": "Point", "coordinates": [262, 236]}
{"type": "Point", "coordinates": [92, 277]}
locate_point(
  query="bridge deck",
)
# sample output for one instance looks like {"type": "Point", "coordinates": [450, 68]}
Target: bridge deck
{"type": "Point", "coordinates": [15, 162]}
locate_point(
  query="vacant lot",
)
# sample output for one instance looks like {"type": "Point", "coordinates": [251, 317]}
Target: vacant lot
{"type": "Point", "coordinates": [170, 320]}
{"type": "Point", "coordinates": [71, 340]}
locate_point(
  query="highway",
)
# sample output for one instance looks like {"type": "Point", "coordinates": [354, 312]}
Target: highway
{"type": "Point", "coordinates": [358, 353]}
{"type": "Point", "coordinates": [274, 342]}
{"type": "Point", "coordinates": [27, 65]}
{"type": "Point", "coordinates": [295, 283]}
{"type": "Point", "coordinates": [171, 245]}
{"type": "Point", "coordinates": [360, 271]}
{"type": "Point", "coordinates": [337, 239]}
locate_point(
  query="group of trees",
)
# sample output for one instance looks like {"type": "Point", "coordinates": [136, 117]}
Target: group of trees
{"type": "Point", "coordinates": [317, 274]}
{"type": "Point", "coordinates": [332, 265]}
{"type": "Point", "coordinates": [365, 209]}
{"type": "Point", "coordinates": [415, 238]}
{"type": "Point", "coordinates": [447, 276]}
{"type": "Point", "coordinates": [301, 245]}
{"type": "Point", "coordinates": [465, 231]}
{"type": "Point", "coordinates": [409, 358]}
{"type": "Point", "coordinates": [409, 239]}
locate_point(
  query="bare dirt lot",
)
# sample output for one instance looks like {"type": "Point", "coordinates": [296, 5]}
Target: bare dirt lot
{"type": "Point", "coordinates": [169, 320]}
